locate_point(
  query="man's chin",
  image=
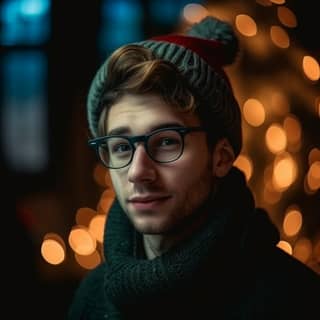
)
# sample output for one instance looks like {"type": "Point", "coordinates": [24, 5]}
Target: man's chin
{"type": "Point", "coordinates": [150, 225]}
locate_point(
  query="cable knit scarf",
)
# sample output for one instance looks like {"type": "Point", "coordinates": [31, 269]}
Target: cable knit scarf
{"type": "Point", "coordinates": [131, 279]}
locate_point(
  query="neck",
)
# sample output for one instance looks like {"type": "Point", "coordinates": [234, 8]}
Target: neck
{"type": "Point", "coordinates": [157, 244]}
{"type": "Point", "coordinates": [154, 245]}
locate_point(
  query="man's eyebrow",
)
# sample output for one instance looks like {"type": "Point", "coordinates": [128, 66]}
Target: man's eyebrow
{"type": "Point", "coordinates": [119, 131]}
{"type": "Point", "coordinates": [166, 125]}
{"type": "Point", "coordinates": [126, 130]}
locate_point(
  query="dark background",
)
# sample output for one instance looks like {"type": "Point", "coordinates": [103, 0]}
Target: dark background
{"type": "Point", "coordinates": [32, 287]}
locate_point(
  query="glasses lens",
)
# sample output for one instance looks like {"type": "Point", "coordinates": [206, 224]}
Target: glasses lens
{"type": "Point", "coordinates": [165, 146]}
{"type": "Point", "coordinates": [115, 152]}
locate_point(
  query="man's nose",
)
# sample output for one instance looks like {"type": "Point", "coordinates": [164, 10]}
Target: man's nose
{"type": "Point", "coordinates": [142, 167]}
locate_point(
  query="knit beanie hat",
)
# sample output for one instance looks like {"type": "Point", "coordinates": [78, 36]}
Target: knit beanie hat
{"type": "Point", "coordinates": [200, 56]}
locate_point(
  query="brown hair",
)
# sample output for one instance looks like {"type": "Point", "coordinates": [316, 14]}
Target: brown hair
{"type": "Point", "coordinates": [133, 69]}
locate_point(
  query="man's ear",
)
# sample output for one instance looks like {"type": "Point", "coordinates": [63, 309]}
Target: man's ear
{"type": "Point", "coordinates": [223, 158]}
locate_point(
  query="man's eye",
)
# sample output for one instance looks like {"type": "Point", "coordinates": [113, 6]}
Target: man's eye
{"type": "Point", "coordinates": [168, 142]}
{"type": "Point", "coordinates": [121, 147]}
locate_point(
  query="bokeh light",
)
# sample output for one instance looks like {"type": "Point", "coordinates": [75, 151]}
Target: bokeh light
{"type": "Point", "coordinates": [246, 25]}
{"type": "Point", "coordinates": [302, 249]}
{"type": "Point", "coordinates": [285, 246]}
{"type": "Point", "coordinates": [53, 249]}
{"type": "Point", "coordinates": [244, 163]}
{"type": "Point", "coordinates": [292, 222]}
{"type": "Point", "coordinates": [311, 68]}
{"type": "Point", "coordinates": [81, 241]}
{"type": "Point", "coordinates": [279, 37]}
{"type": "Point", "coordinates": [287, 17]}
{"type": "Point", "coordinates": [284, 172]}
{"type": "Point", "coordinates": [96, 226]}
{"type": "Point", "coordinates": [89, 261]}
{"type": "Point", "coordinates": [276, 139]}
{"type": "Point", "coordinates": [254, 112]}
{"type": "Point", "coordinates": [194, 12]}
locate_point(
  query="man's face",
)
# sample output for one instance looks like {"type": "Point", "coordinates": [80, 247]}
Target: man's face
{"type": "Point", "coordinates": [158, 197]}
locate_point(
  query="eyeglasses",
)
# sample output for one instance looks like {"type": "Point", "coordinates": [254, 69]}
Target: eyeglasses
{"type": "Point", "coordinates": [162, 146]}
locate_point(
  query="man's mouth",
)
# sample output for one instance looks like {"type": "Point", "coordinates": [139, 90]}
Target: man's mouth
{"type": "Point", "coordinates": [147, 202]}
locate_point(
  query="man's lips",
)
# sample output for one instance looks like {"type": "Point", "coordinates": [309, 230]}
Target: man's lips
{"type": "Point", "coordinates": [149, 202]}
{"type": "Point", "coordinates": [146, 199]}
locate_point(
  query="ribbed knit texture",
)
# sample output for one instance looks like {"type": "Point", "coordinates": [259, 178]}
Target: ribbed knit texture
{"type": "Point", "coordinates": [200, 57]}
{"type": "Point", "coordinates": [131, 280]}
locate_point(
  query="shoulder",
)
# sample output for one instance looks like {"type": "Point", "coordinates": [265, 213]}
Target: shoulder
{"type": "Point", "coordinates": [287, 283]}
{"type": "Point", "coordinates": [281, 269]}
{"type": "Point", "coordinates": [278, 286]}
{"type": "Point", "coordinates": [270, 261]}
{"type": "Point", "coordinates": [290, 268]}
{"type": "Point", "coordinates": [89, 296]}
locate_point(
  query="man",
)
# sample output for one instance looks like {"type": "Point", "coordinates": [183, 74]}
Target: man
{"type": "Point", "coordinates": [183, 239]}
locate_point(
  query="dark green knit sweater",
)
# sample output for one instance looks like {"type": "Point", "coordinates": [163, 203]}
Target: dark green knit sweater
{"type": "Point", "coordinates": [230, 269]}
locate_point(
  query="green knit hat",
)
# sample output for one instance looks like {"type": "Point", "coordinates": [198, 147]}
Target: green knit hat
{"type": "Point", "coordinates": [200, 56]}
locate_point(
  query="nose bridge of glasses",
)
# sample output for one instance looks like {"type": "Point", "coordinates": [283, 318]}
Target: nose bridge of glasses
{"type": "Point", "coordinates": [139, 141]}
{"type": "Point", "coordinates": [134, 140]}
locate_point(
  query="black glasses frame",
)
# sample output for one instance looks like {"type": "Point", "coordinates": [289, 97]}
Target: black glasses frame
{"type": "Point", "coordinates": [96, 142]}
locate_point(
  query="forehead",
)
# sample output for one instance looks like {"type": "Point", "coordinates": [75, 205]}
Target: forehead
{"type": "Point", "coordinates": [143, 113]}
